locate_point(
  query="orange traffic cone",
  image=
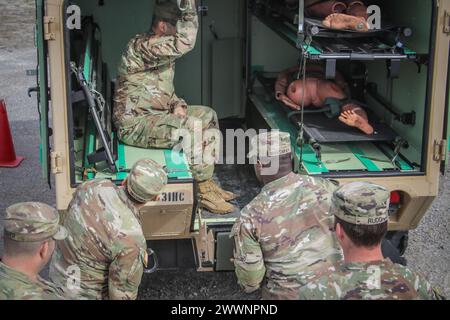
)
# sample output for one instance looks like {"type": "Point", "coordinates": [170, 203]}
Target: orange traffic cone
{"type": "Point", "coordinates": [8, 157]}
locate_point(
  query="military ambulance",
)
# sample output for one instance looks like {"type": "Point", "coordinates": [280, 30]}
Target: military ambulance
{"type": "Point", "coordinates": [399, 73]}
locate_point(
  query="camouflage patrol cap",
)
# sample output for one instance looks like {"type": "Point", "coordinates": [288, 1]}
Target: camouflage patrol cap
{"type": "Point", "coordinates": [270, 144]}
{"type": "Point", "coordinates": [32, 222]}
{"type": "Point", "coordinates": [361, 203]}
{"type": "Point", "coordinates": [167, 11]}
{"type": "Point", "coordinates": [146, 180]}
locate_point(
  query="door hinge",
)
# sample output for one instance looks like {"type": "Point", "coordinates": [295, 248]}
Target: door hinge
{"type": "Point", "coordinates": [440, 150]}
{"type": "Point", "coordinates": [49, 24]}
{"type": "Point", "coordinates": [446, 22]}
{"type": "Point", "coordinates": [56, 162]}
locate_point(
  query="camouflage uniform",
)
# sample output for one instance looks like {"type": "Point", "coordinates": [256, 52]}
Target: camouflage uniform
{"type": "Point", "coordinates": [105, 240]}
{"type": "Point", "coordinates": [15, 285]}
{"type": "Point", "coordinates": [368, 281]}
{"type": "Point", "coordinates": [284, 234]}
{"type": "Point", "coordinates": [29, 222]}
{"type": "Point", "coordinates": [145, 97]}
{"type": "Point", "coordinates": [365, 204]}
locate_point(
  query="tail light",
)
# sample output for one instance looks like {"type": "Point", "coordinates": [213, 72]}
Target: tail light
{"type": "Point", "coordinates": [395, 203]}
{"type": "Point", "coordinates": [395, 197]}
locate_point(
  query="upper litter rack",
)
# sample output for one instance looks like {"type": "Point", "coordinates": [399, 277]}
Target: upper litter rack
{"type": "Point", "coordinates": [320, 43]}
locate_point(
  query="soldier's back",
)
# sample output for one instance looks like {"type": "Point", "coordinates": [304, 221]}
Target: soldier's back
{"type": "Point", "coordinates": [382, 280]}
{"type": "Point", "coordinates": [293, 219]}
{"type": "Point", "coordinates": [145, 83]}
{"type": "Point", "coordinates": [132, 61]}
{"type": "Point", "coordinates": [100, 221]}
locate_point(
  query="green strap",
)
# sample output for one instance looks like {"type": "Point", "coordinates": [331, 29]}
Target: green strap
{"type": "Point", "coordinates": [178, 169]}
{"type": "Point", "coordinates": [312, 50]}
{"type": "Point", "coordinates": [403, 165]}
{"type": "Point", "coordinates": [359, 153]}
{"type": "Point", "coordinates": [310, 161]}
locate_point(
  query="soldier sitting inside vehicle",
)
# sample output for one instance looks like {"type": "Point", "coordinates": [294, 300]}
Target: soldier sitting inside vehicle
{"type": "Point", "coordinates": [106, 242]}
{"type": "Point", "coordinates": [314, 93]}
{"type": "Point", "coordinates": [361, 213]}
{"type": "Point", "coordinates": [31, 230]}
{"type": "Point", "coordinates": [284, 233]}
{"type": "Point", "coordinates": [148, 113]}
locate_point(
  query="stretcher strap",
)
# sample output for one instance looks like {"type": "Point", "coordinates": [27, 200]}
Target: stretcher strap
{"type": "Point", "coordinates": [359, 153]}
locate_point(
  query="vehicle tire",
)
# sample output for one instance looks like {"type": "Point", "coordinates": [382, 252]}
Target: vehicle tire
{"type": "Point", "coordinates": [399, 240]}
{"type": "Point", "coordinates": [394, 247]}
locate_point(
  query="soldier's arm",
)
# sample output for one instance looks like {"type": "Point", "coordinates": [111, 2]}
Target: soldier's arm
{"type": "Point", "coordinates": [178, 105]}
{"type": "Point", "coordinates": [425, 290]}
{"type": "Point", "coordinates": [248, 256]}
{"type": "Point", "coordinates": [282, 82]}
{"type": "Point", "coordinates": [125, 273]}
{"type": "Point", "coordinates": [170, 48]}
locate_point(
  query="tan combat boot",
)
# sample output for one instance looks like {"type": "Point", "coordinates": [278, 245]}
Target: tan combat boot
{"type": "Point", "coordinates": [215, 204]}
{"type": "Point", "coordinates": [211, 186]}
{"type": "Point", "coordinates": [212, 202]}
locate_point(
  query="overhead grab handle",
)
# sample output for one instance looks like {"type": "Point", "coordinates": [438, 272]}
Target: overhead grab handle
{"type": "Point", "coordinates": [185, 6]}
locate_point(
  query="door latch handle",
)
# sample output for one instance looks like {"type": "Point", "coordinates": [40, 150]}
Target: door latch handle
{"type": "Point", "coordinates": [31, 90]}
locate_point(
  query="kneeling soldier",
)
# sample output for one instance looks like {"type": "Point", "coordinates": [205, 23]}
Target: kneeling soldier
{"type": "Point", "coordinates": [106, 247]}
{"type": "Point", "coordinates": [31, 230]}
{"type": "Point", "coordinates": [285, 232]}
{"type": "Point", "coordinates": [361, 222]}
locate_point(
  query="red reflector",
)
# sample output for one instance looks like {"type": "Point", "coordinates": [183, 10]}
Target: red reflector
{"type": "Point", "coordinates": [395, 197]}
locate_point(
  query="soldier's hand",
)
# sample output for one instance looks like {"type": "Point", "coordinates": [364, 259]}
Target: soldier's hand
{"type": "Point", "coordinates": [180, 111]}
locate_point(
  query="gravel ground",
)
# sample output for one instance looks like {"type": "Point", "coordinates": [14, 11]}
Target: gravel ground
{"type": "Point", "coordinates": [429, 246]}
{"type": "Point", "coordinates": [16, 24]}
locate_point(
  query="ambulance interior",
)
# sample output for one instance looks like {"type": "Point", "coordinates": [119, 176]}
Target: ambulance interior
{"type": "Point", "coordinates": [241, 47]}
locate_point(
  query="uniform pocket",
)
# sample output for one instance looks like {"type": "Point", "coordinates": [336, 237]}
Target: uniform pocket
{"type": "Point", "coordinates": [137, 269]}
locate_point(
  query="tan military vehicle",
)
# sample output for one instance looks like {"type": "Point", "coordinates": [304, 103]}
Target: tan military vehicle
{"type": "Point", "coordinates": [398, 72]}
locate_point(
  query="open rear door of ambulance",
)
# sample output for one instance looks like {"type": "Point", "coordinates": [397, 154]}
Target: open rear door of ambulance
{"type": "Point", "coordinates": [42, 89]}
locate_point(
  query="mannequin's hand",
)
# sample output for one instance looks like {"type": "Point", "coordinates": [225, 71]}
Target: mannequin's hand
{"type": "Point", "coordinates": [288, 102]}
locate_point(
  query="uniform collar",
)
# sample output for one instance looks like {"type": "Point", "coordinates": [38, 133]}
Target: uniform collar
{"type": "Point", "coordinates": [16, 275]}
{"type": "Point", "coordinates": [360, 266]}
{"type": "Point", "coordinates": [125, 198]}
{"type": "Point", "coordinates": [270, 185]}
{"type": "Point", "coordinates": [150, 32]}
